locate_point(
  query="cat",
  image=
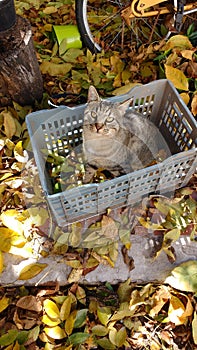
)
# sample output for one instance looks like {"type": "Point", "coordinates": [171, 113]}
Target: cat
{"type": "Point", "coordinates": [117, 139]}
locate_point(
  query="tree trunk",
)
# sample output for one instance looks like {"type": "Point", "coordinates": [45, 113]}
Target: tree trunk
{"type": "Point", "coordinates": [20, 76]}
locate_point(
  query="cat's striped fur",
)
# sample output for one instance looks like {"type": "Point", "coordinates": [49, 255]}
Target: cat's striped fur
{"type": "Point", "coordinates": [117, 139]}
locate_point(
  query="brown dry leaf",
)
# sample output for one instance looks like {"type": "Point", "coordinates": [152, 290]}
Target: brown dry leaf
{"type": "Point", "coordinates": [29, 302]}
{"type": "Point", "coordinates": [108, 227]}
{"type": "Point", "coordinates": [49, 10]}
{"type": "Point", "coordinates": [128, 260]}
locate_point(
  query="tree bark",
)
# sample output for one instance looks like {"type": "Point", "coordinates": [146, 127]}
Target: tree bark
{"type": "Point", "coordinates": [20, 76]}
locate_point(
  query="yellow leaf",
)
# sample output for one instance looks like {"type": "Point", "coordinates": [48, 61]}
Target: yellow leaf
{"type": "Point", "coordinates": [31, 271]}
{"type": "Point", "coordinates": [54, 69]}
{"type": "Point", "coordinates": [104, 314]}
{"type": "Point", "coordinates": [1, 262]}
{"type": "Point", "coordinates": [75, 275]}
{"type": "Point", "coordinates": [172, 235]}
{"type": "Point", "coordinates": [25, 252]}
{"type": "Point", "coordinates": [185, 97]}
{"type": "Point", "coordinates": [121, 337]}
{"type": "Point", "coordinates": [194, 328]}
{"type": "Point", "coordinates": [49, 10]}
{"type": "Point", "coordinates": [194, 104]}
{"type": "Point", "coordinates": [51, 309]}
{"type": "Point", "coordinates": [55, 332]}
{"type": "Point", "coordinates": [9, 124]}
{"type": "Point", "coordinates": [69, 324]}
{"type": "Point", "coordinates": [65, 308]}
{"type": "Point", "coordinates": [178, 41]}
{"type": "Point", "coordinates": [112, 335]}
{"type": "Point", "coordinates": [16, 346]}
{"type": "Point", "coordinates": [9, 219]}
{"type": "Point", "coordinates": [177, 77]}
{"type": "Point", "coordinates": [188, 54]}
{"type": "Point", "coordinates": [176, 310]}
{"type": "Point", "coordinates": [49, 321]}
{"type": "Point", "coordinates": [37, 216]}
{"type": "Point", "coordinates": [148, 224]}
{"type": "Point", "coordinates": [20, 154]}
{"type": "Point", "coordinates": [4, 302]}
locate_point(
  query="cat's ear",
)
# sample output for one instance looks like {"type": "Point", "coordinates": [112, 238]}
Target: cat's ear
{"type": "Point", "coordinates": [93, 94]}
{"type": "Point", "coordinates": [123, 106]}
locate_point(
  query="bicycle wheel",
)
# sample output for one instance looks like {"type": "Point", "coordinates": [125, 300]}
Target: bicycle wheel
{"type": "Point", "coordinates": [102, 26]}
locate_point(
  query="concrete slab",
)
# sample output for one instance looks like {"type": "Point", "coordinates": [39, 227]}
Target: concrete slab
{"type": "Point", "coordinates": [146, 269]}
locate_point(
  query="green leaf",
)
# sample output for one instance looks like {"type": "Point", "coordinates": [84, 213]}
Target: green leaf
{"type": "Point", "coordinates": [120, 337]}
{"type": "Point", "coordinates": [9, 337]}
{"type": "Point", "coordinates": [100, 330]}
{"type": "Point", "coordinates": [22, 337]}
{"type": "Point", "coordinates": [104, 313]}
{"type": "Point", "coordinates": [78, 338]}
{"type": "Point", "coordinates": [184, 277]}
{"type": "Point", "coordinates": [80, 318]}
{"type": "Point", "coordinates": [105, 344]}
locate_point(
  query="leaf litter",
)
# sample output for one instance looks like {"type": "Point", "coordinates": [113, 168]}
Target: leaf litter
{"type": "Point", "coordinates": [152, 316]}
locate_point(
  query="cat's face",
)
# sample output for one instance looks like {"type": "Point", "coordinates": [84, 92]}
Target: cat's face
{"type": "Point", "coordinates": [101, 117]}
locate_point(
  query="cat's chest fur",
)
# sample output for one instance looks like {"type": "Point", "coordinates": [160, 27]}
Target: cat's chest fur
{"type": "Point", "coordinates": [116, 139]}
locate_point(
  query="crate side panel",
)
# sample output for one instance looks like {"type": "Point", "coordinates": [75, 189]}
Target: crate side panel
{"type": "Point", "coordinates": [80, 202]}
{"type": "Point", "coordinates": [113, 193]}
{"type": "Point", "coordinates": [177, 170]}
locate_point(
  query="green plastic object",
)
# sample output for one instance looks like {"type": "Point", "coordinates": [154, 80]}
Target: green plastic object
{"type": "Point", "coordinates": [70, 35]}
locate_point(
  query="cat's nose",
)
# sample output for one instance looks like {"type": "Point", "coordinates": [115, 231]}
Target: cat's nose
{"type": "Point", "coordinates": [98, 126]}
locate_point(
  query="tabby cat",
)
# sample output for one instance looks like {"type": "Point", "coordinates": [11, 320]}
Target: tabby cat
{"type": "Point", "coordinates": [117, 139]}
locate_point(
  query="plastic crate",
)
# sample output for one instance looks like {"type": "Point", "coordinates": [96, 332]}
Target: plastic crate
{"type": "Point", "coordinates": [54, 129]}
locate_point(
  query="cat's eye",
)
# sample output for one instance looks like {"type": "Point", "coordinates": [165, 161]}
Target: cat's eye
{"type": "Point", "coordinates": [109, 119]}
{"type": "Point", "coordinates": [93, 114]}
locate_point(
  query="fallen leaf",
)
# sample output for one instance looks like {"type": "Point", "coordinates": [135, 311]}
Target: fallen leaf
{"type": "Point", "coordinates": [184, 277]}
{"type": "Point", "coordinates": [4, 302]}
{"type": "Point", "coordinates": [194, 104]}
{"type": "Point", "coordinates": [55, 332]}
{"type": "Point", "coordinates": [194, 328]}
{"type": "Point", "coordinates": [51, 309]}
{"type": "Point", "coordinates": [31, 271]}
{"type": "Point", "coordinates": [29, 302]}
{"type": "Point", "coordinates": [177, 77]}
